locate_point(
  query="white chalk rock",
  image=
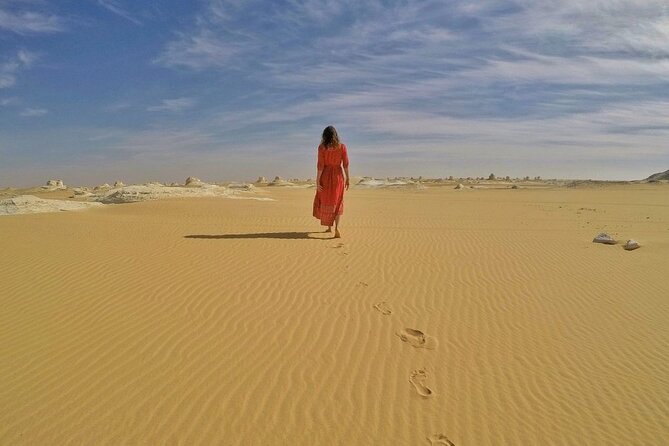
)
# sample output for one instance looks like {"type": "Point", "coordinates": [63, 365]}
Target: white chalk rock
{"type": "Point", "coordinates": [631, 245]}
{"type": "Point", "coordinates": [102, 187]}
{"type": "Point", "coordinates": [460, 186]}
{"type": "Point", "coordinates": [81, 191]}
{"type": "Point", "coordinates": [119, 184]}
{"type": "Point", "coordinates": [29, 204]}
{"type": "Point", "coordinates": [241, 186]}
{"type": "Point", "coordinates": [605, 239]}
{"type": "Point", "coordinates": [262, 180]}
{"type": "Point", "coordinates": [278, 181]}
{"type": "Point", "coordinates": [54, 185]}
{"type": "Point", "coordinates": [145, 192]}
{"type": "Point", "coordinates": [194, 182]}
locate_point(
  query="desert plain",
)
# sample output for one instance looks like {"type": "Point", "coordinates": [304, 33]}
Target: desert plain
{"type": "Point", "coordinates": [480, 316]}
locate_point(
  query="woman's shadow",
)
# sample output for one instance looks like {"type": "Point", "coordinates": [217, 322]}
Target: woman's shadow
{"type": "Point", "coordinates": [274, 235]}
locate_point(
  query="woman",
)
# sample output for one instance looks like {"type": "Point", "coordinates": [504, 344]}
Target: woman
{"type": "Point", "coordinates": [330, 183]}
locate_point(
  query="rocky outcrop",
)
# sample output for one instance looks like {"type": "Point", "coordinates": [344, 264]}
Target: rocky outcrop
{"type": "Point", "coordinates": [54, 185]}
{"type": "Point", "coordinates": [29, 204]}
{"type": "Point", "coordinates": [661, 176]}
{"type": "Point", "coordinates": [194, 182]}
{"type": "Point", "coordinates": [278, 181]}
{"type": "Point", "coordinates": [145, 192]}
{"type": "Point", "coordinates": [241, 186]}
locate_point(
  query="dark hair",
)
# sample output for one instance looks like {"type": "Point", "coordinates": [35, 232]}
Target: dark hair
{"type": "Point", "coordinates": [330, 137]}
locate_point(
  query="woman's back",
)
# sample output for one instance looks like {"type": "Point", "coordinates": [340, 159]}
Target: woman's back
{"type": "Point", "coordinates": [333, 156]}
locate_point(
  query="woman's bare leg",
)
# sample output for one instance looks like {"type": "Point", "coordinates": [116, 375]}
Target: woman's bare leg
{"type": "Point", "coordinates": [337, 233]}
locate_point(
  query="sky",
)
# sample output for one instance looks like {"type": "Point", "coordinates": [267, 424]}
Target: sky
{"type": "Point", "coordinates": [94, 91]}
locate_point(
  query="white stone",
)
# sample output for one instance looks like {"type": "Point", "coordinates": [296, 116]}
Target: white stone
{"type": "Point", "coordinates": [29, 204]}
{"type": "Point", "coordinates": [54, 185]}
{"type": "Point", "coordinates": [241, 186]}
{"type": "Point", "coordinates": [605, 239]}
{"type": "Point", "coordinates": [194, 182]}
{"type": "Point", "coordinates": [278, 181]}
{"type": "Point", "coordinates": [631, 245]}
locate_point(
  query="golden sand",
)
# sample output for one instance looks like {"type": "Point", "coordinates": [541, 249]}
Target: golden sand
{"type": "Point", "coordinates": [474, 317]}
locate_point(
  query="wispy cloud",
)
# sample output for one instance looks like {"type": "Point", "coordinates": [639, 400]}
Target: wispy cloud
{"type": "Point", "coordinates": [173, 105]}
{"type": "Point", "coordinates": [198, 51]}
{"type": "Point", "coordinates": [30, 22]}
{"type": "Point", "coordinates": [115, 7]}
{"type": "Point", "coordinates": [34, 112]}
{"type": "Point", "coordinates": [11, 67]}
{"type": "Point", "coordinates": [7, 102]}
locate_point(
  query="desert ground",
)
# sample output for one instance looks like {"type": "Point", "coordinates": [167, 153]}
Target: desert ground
{"type": "Point", "coordinates": [474, 317]}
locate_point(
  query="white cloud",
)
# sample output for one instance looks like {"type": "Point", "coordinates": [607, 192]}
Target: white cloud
{"type": "Point", "coordinates": [173, 105]}
{"type": "Point", "coordinates": [198, 51]}
{"type": "Point", "coordinates": [30, 22]}
{"type": "Point", "coordinates": [34, 112]}
{"type": "Point", "coordinates": [10, 69]}
{"type": "Point", "coordinates": [114, 7]}
{"type": "Point", "coordinates": [7, 102]}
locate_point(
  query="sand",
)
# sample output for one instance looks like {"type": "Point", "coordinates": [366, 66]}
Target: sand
{"type": "Point", "coordinates": [480, 318]}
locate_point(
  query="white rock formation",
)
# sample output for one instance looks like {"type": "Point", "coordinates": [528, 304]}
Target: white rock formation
{"type": "Point", "coordinates": [29, 204]}
{"type": "Point", "coordinates": [54, 185]}
{"type": "Point", "coordinates": [119, 184]}
{"type": "Point", "coordinates": [278, 181]}
{"type": "Point", "coordinates": [631, 245]}
{"type": "Point", "coordinates": [194, 182]}
{"type": "Point", "coordinates": [102, 187]}
{"type": "Point", "coordinates": [605, 239]}
{"type": "Point", "coordinates": [145, 192]}
{"type": "Point", "coordinates": [81, 192]}
{"type": "Point", "coordinates": [261, 180]}
{"type": "Point", "coordinates": [459, 186]}
{"type": "Point", "coordinates": [241, 186]}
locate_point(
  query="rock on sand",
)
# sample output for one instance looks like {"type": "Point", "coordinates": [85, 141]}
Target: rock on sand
{"type": "Point", "coordinates": [194, 182]}
{"type": "Point", "coordinates": [631, 245]}
{"type": "Point", "coordinates": [29, 204]}
{"type": "Point", "coordinates": [605, 239]}
{"type": "Point", "coordinates": [54, 185]}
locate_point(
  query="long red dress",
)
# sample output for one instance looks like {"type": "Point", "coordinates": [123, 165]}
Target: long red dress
{"type": "Point", "coordinates": [329, 202]}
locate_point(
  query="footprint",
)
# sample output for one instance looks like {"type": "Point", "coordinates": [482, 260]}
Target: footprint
{"type": "Point", "coordinates": [338, 245]}
{"type": "Point", "coordinates": [417, 338]}
{"type": "Point", "coordinates": [417, 377]}
{"type": "Point", "coordinates": [383, 308]}
{"type": "Point", "coordinates": [439, 440]}
{"type": "Point", "coordinates": [362, 284]}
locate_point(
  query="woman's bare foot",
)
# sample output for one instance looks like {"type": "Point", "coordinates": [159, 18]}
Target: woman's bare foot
{"type": "Point", "coordinates": [337, 234]}
{"type": "Point", "coordinates": [329, 229]}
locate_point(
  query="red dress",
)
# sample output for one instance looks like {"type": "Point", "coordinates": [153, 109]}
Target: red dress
{"type": "Point", "coordinates": [329, 202]}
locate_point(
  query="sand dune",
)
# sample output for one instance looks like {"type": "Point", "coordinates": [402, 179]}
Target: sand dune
{"type": "Point", "coordinates": [209, 321]}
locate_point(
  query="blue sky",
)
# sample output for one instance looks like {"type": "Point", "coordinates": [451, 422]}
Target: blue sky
{"type": "Point", "coordinates": [97, 90]}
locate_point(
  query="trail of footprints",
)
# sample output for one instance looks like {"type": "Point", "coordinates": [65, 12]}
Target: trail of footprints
{"type": "Point", "coordinates": [417, 339]}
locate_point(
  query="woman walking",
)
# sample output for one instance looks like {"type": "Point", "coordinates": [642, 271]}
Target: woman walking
{"type": "Point", "coordinates": [330, 182]}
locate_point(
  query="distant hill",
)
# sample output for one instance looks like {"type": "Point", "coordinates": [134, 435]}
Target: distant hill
{"type": "Point", "coordinates": [659, 176]}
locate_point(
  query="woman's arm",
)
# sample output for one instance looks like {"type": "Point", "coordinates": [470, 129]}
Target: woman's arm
{"type": "Point", "coordinates": [319, 166]}
{"type": "Point", "coordinates": [345, 164]}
